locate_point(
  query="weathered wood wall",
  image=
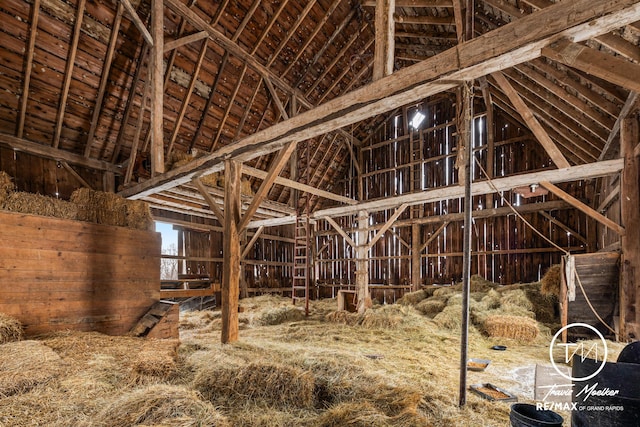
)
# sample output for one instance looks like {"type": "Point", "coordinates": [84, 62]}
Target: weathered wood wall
{"type": "Point", "coordinates": [59, 274]}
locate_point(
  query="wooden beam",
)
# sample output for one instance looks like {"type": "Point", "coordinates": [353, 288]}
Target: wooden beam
{"type": "Point", "coordinates": [191, 38]}
{"type": "Point", "coordinates": [33, 31]}
{"type": "Point", "coordinates": [185, 101]}
{"type": "Point", "coordinates": [384, 39]}
{"type": "Point", "coordinates": [75, 174]}
{"type": "Point", "coordinates": [248, 170]}
{"type": "Point", "coordinates": [44, 151]}
{"type": "Point", "coordinates": [136, 136]}
{"type": "Point", "coordinates": [592, 170]}
{"type": "Point", "coordinates": [610, 68]}
{"type": "Point", "coordinates": [227, 111]}
{"type": "Point", "coordinates": [253, 240]}
{"type": "Point", "coordinates": [68, 73]}
{"type": "Point", "coordinates": [434, 236]}
{"type": "Point", "coordinates": [133, 15]}
{"type": "Point", "coordinates": [501, 48]}
{"type": "Point", "coordinates": [362, 263]}
{"type": "Point", "coordinates": [583, 207]}
{"type": "Point", "coordinates": [104, 78]}
{"type": "Point", "coordinates": [231, 252]}
{"type": "Point", "coordinates": [157, 88]}
{"type": "Point", "coordinates": [627, 108]}
{"type": "Point", "coordinates": [207, 197]}
{"type": "Point", "coordinates": [276, 167]}
{"type": "Point", "coordinates": [565, 227]}
{"type": "Point", "coordinates": [386, 225]}
{"type": "Point", "coordinates": [416, 259]}
{"type": "Point", "coordinates": [613, 194]}
{"type": "Point", "coordinates": [534, 125]}
{"type": "Point", "coordinates": [630, 216]}
{"type": "Point", "coordinates": [340, 231]}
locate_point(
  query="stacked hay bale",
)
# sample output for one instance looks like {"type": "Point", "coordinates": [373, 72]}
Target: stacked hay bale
{"type": "Point", "coordinates": [29, 203]}
{"type": "Point", "coordinates": [110, 209]}
{"type": "Point", "coordinates": [6, 186]}
{"type": "Point", "coordinates": [25, 365]}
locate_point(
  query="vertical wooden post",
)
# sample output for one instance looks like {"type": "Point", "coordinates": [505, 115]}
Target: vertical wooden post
{"type": "Point", "coordinates": [231, 252]}
{"type": "Point", "coordinates": [385, 31]}
{"type": "Point", "coordinates": [416, 264]}
{"type": "Point", "coordinates": [362, 263]}
{"type": "Point", "coordinates": [629, 203]}
{"type": "Point", "coordinates": [157, 87]}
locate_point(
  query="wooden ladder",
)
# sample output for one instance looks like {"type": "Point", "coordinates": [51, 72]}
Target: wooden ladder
{"type": "Point", "coordinates": [301, 265]}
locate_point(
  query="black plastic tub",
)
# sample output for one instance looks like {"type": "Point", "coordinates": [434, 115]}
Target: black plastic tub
{"type": "Point", "coordinates": [526, 415]}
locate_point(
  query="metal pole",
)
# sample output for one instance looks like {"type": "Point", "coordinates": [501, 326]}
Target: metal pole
{"type": "Point", "coordinates": [467, 102]}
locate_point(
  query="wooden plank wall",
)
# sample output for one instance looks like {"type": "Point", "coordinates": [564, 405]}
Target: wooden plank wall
{"type": "Point", "coordinates": [60, 274]}
{"type": "Point", "coordinates": [397, 160]}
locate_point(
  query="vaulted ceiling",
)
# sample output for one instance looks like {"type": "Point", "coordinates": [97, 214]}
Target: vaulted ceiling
{"type": "Point", "coordinates": [74, 75]}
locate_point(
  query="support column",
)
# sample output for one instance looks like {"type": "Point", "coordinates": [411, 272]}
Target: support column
{"type": "Point", "coordinates": [157, 87]}
{"type": "Point", "coordinates": [416, 259]}
{"type": "Point", "coordinates": [362, 263]}
{"type": "Point", "coordinates": [385, 44]}
{"type": "Point", "coordinates": [629, 203]}
{"type": "Point", "coordinates": [231, 252]}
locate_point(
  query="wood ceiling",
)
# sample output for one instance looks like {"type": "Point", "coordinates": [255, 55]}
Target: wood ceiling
{"type": "Point", "coordinates": [73, 89]}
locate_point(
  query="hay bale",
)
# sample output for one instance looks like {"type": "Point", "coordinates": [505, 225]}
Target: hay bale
{"type": "Point", "coordinates": [157, 359]}
{"type": "Point", "coordinates": [10, 329]}
{"type": "Point", "coordinates": [245, 187]}
{"type": "Point", "coordinates": [412, 298]}
{"type": "Point", "coordinates": [391, 316]}
{"type": "Point", "coordinates": [515, 327]}
{"type": "Point", "coordinates": [100, 207]}
{"type": "Point", "coordinates": [37, 204]}
{"type": "Point", "coordinates": [431, 306]}
{"type": "Point", "coordinates": [551, 281]}
{"type": "Point", "coordinates": [161, 405]}
{"type": "Point", "coordinates": [278, 315]}
{"type": "Point", "coordinates": [210, 180]}
{"type": "Point", "coordinates": [344, 317]}
{"type": "Point", "coordinates": [176, 159]}
{"type": "Point", "coordinates": [25, 365]}
{"type": "Point", "coordinates": [6, 186]}
{"type": "Point", "coordinates": [491, 300]}
{"type": "Point", "coordinates": [139, 215]}
{"type": "Point", "coordinates": [272, 384]}
{"type": "Point", "coordinates": [450, 317]}
{"type": "Point", "coordinates": [360, 414]}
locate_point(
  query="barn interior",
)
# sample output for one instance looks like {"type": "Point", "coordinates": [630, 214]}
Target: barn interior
{"type": "Point", "coordinates": [361, 192]}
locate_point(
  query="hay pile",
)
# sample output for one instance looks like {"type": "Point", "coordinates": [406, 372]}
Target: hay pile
{"type": "Point", "coordinates": [26, 364]}
{"type": "Point", "coordinates": [157, 359]}
{"type": "Point", "coordinates": [278, 315]}
{"type": "Point", "coordinates": [165, 405]}
{"type": "Point", "coordinates": [10, 329]}
{"type": "Point", "coordinates": [391, 316]}
{"type": "Point", "coordinates": [110, 209]}
{"type": "Point", "coordinates": [515, 327]}
{"type": "Point", "coordinates": [551, 281]}
{"type": "Point", "coordinates": [178, 158]}
{"type": "Point", "coordinates": [267, 383]}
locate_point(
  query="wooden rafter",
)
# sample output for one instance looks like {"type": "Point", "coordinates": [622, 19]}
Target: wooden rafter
{"type": "Point", "coordinates": [136, 136]}
{"type": "Point", "coordinates": [68, 73]}
{"type": "Point", "coordinates": [301, 17]}
{"type": "Point", "coordinates": [104, 78]}
{"type": "Point", "coordinates": [185, 101]}
{"type": "Point", "coordinates": [247, 110]}
{"type": "Point", "coordinates": [414, 3]}
{"type": "Point", "coordinates": [504, 47]}
{"type": "Point", "coordinates": [582, 206]}
{"type": "Point", "coordinates": [610, 68]}
{"type": "Point", "coordinates": [592, 136]}
{"type": "Point", "coordinates": [276, 99]}
{"type": "Point", "coordinates": [424, 20]}
{"type": "Point", "coordinates": [33, 31]}
{"type": "Point", "coordinates": [157, 88]}
{"type": "Point", "coordinates": [534, 125]}
{"type": "Point", "coordinates": [563, 226]}
{"type": "Point", "coordinates": [312, 36]}
{"type": "Point", "coordinates": [75, 174]}
{"type": "Point", "coordinates": [135, 18]}
{"type": "Point", "coordinates": [127, 111]}
{"type": "Point", "coordinates": [230, 105]}
{"type": "Point", "coordinates": [268, 27]}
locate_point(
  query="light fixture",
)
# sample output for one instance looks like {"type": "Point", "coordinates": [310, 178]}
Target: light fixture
{"type": "Point", "coordinates": [418, 117]}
